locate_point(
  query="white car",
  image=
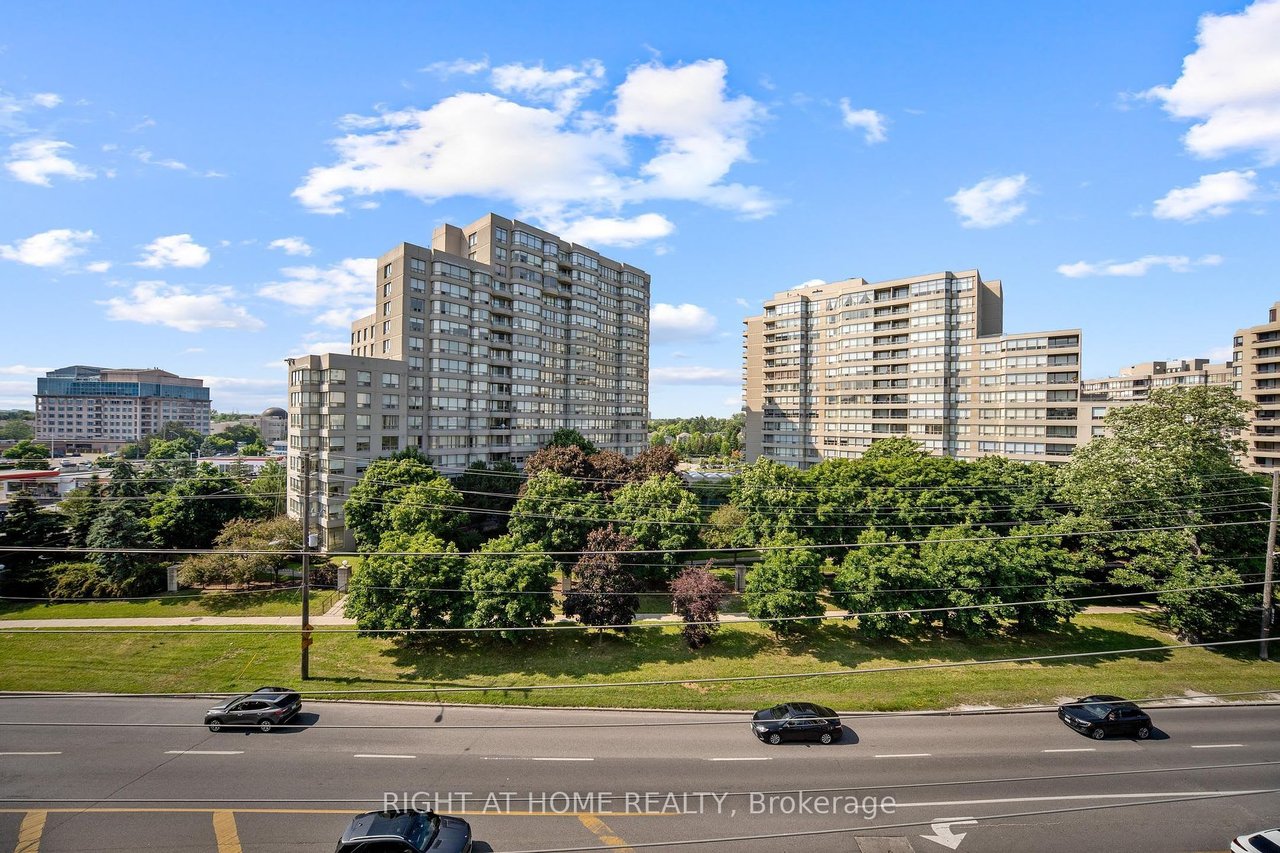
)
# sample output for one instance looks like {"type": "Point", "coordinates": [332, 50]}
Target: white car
{"type": "Point", "coordinates": [1267, 841]}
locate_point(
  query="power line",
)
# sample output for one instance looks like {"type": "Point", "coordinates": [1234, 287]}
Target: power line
{"type": "Point", "coordinates": [739, 550]}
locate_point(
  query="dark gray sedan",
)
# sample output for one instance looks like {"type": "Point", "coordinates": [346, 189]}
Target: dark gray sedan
{"type": "Point", "coordinates": [406, 831]}
{"type": "Point", "coordinates": [797, 721]}
{"type": "Point", "coordinates": [263, 709]}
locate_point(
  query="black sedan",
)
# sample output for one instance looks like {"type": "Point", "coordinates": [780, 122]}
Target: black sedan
{"type": "Point", "coordinates": [264, 708]}
{"type": "Point", "coordinates": [1099, 716]}
{"type": "Point", "coordinates": [797, 721]}
{"type": "Point", "coordinates": [406, 831]}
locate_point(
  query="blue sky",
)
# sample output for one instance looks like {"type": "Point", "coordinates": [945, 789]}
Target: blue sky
{"type": "Point", "coordinates": [198, 187]}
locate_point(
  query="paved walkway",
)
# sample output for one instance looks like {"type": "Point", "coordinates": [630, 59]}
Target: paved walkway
{"type": "Point", "coordinates": [331, 619]}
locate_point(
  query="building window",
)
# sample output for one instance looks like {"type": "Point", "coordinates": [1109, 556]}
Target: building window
{"type": "Point", "coordinates": [386, 271]}
{"type": "Point", "coordinates": [390, 442]}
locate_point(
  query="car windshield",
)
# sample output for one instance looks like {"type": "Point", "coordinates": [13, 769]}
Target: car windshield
{"type": "Point", "coordinates": [424, 829]}
{"type": "Point", "coordinates": [1095, 710]}
{"type": "Point", "coordinates": [777, 712]}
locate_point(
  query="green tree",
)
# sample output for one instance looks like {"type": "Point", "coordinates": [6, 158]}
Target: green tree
{"type": "Point", "coordinates": [267, 490]}
{"type": "Point", "coordinates": [1171, 462]}
{"type": "Point", "coordinates": [17, 424]}
{"type": "Point", "coordinates": [566, 437]}
{"type": "Point", "coordinates": [254, 448]}
{"type": "Point", "coordinates": [772, 497]}
{"type": "Point", "coordinates": [214, 444]}
{"type": "Point", "coordinates": [604, 586]}
{"type": "Point", "coordinates": [662, 516]}
{"type": "Point", "coordinates": [555, 513]}
{"type": "Point", "coordinates": [510, 586]}
{"type": "Point", "coordinates": [785, 585]}
{"type": "Point", "coordinates": [194, 510]}
{"type": "Point", "coordinates": [79, 509]}
{"type": "Point", "coordinates": [26, 525]}
{"type": "Point", "coordinates": [725, 528]}
{"type": "Point", "coordinates": [242, 434]}
{"type": "Point", "coordinates": [124, 482]}
{"type": "Point", "coordinates": [410, 582]}
{"type": "Point", "coordinates": [233, 563]}
{"type": "Point", "coordinates": [28, 455]}
{"type": "Point", "coordinates": [117, 532]}
{"type": "Point", "coordinates": [370, 506]}
{"type": "Point", "coordinates": [882, 575]}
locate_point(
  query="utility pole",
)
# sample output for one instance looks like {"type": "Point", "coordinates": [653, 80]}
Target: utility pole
{"type": "Point", "coordinates": [1270, 569]}
{"type": "Point", "coordinates": [306, 566]}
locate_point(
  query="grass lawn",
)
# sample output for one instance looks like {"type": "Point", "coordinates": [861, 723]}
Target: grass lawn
{"type": "Point", "coordinates": [206, 661]}
{"type": "Point", "coordinates": [185, 603]}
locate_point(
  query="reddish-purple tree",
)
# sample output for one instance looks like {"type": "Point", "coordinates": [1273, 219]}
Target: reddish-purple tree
{"type": "Point", "coordinates": [604, 591]}
{"type": "Point", "coordinates": [697, 595]}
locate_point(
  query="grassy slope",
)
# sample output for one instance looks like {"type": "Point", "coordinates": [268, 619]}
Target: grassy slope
{"type": "Point", "coordinates": [205, 661]}
{"type": "Point", "coordinates": [286, 603]}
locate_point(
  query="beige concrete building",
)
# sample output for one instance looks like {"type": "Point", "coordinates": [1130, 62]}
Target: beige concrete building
{"type": "Point", "coordinates": [832, 368]}
{"type": "Point", "coordinates": [478, 349]}
{"type": "Point", "coordinates": [272, 424]}
{"type": "Point", "coordinates": [1257, 379]}
{"type": "Point", "coordinates": [1135, 383]}
{"type": "Point", "coordinates": [81, 409]}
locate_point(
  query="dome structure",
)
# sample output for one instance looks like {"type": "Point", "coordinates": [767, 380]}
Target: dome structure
{"type": "Point", "coordinates": [275, 412]}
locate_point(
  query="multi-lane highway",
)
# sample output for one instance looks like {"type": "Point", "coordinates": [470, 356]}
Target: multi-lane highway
{"type": "Point", "coordinates": [622, 780]}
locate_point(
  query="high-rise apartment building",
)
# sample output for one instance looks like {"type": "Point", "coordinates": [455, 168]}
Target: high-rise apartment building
{"type": "Point", "coordinates": [829, 369]}
{"type": "Point", "coordinates": [478, 349]}
{"type": "Point", "coordinates": [1135, 383]}
{"type": "Point", "coordinates": [81, 409]}
{"type": "Point", "coordinates": [1256, 361]}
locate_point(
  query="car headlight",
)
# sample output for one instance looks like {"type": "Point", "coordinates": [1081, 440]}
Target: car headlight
{"type": "Point", "coordinates": [762, 728]}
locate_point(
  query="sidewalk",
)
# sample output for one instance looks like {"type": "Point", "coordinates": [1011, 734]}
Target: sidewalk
{"type": "Point", "coordinates": [330, 620]}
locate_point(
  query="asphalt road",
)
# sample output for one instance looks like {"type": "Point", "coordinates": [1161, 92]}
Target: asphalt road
{"type": "Point", "coordinates": [895, 784]}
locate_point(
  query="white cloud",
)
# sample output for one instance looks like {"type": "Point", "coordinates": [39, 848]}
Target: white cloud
{"type": "Point", "coordinates": [692, 375]}
{"type": "Point", "coordinates": [734, 402]}
{"type": "Point", "coordinates": [1231, 83]}
{"type": "Point", "coordinates": [48, 100]}
{"type": "Point", "coordinates": [175, 250]}
{"type": "Point", "coordinates": [1220, 354]}
{"type": "Point", "coordinates": [990, 202]}
{"type": "Point", "coordinates": [248, 394]}
{"type": "Point", "coordinates": [291, 246]}
{"type": "Point", "coordinates": [1212, 195]}
{"type": "Point", "coordinates": [456, 66]}
{"type": "Point", "coordinates": [615, 231]}
{"type": "Point", "coordinates": [12, 108]}
{"type": "Point", "coordinates": [674, 322]}
{"type": "Point", "coordinates": [98, 266]}
{"type": "Point", "coordinates": [871, 122]}
{"type": "Point", "coordinates": [23, 370]}
{"type": "Point", "coordinates": [564, 87]}
{"type": "Point", "coordinates": [156, 303]}
{"type": "Point", "coordinates": [813, 282]}
{"type": "Point", "coordinates": [35, 161]}
{"type": "Point", "coordinates": [144, 156]}
{"type": "Point", "coordinates": [1139, 267]}
{"type": "Point", "coordinates": [312, 345]}
{"type": "Point", "coordinates": [343, 289]}
{"type": "Point", "coordinates": [556, 165]}
{"type": "Point", "coordinates": [743, 303]}
{"type": "Point", "coordinates": [48, 248]}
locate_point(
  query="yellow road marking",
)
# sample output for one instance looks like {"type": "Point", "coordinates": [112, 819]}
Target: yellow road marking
{"type": "Point", "coordinates": [196, 810]}
{"type": "Point", "coordinates": [224, 828]}
{"type": "Point", "coordinates": [603, 832]}
{"type": "Point", "coordinates": [30, 832]}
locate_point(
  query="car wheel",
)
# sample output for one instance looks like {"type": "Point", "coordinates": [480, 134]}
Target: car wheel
{"type": "Point", "coordinates": [826, 737]}
{"type": "Point", "coordinates": [775, 738]}
{"type": "Point", "coordinates": [1144, 732]}
{"type": "Point", "coordinates": [1098, 734]}
{"type": "Point", "coordinates": [264, 725]}
{"type": "Point", "coordinates": [215, 725]}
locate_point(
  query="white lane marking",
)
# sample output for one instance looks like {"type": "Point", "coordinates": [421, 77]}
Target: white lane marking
{"type": "Point", "coordinates": [1075, 749]}
{"type": "Point", "coordinates": [753, 758]}
{"type": "Point", "coordinates": [30, 753]}
{"type": "Point", "coordinates": [1216, 745]}
{"type": "Point", "coordinates": [204, 752]}
{"type": "Point", "coordinates": [1138, 796]}
{"type": "Point", "coordinates": [380, 755]}
{"type": "Point", "coordinates": [523, 758]}
{"type": "Point", "coordinates": [906, 755]}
